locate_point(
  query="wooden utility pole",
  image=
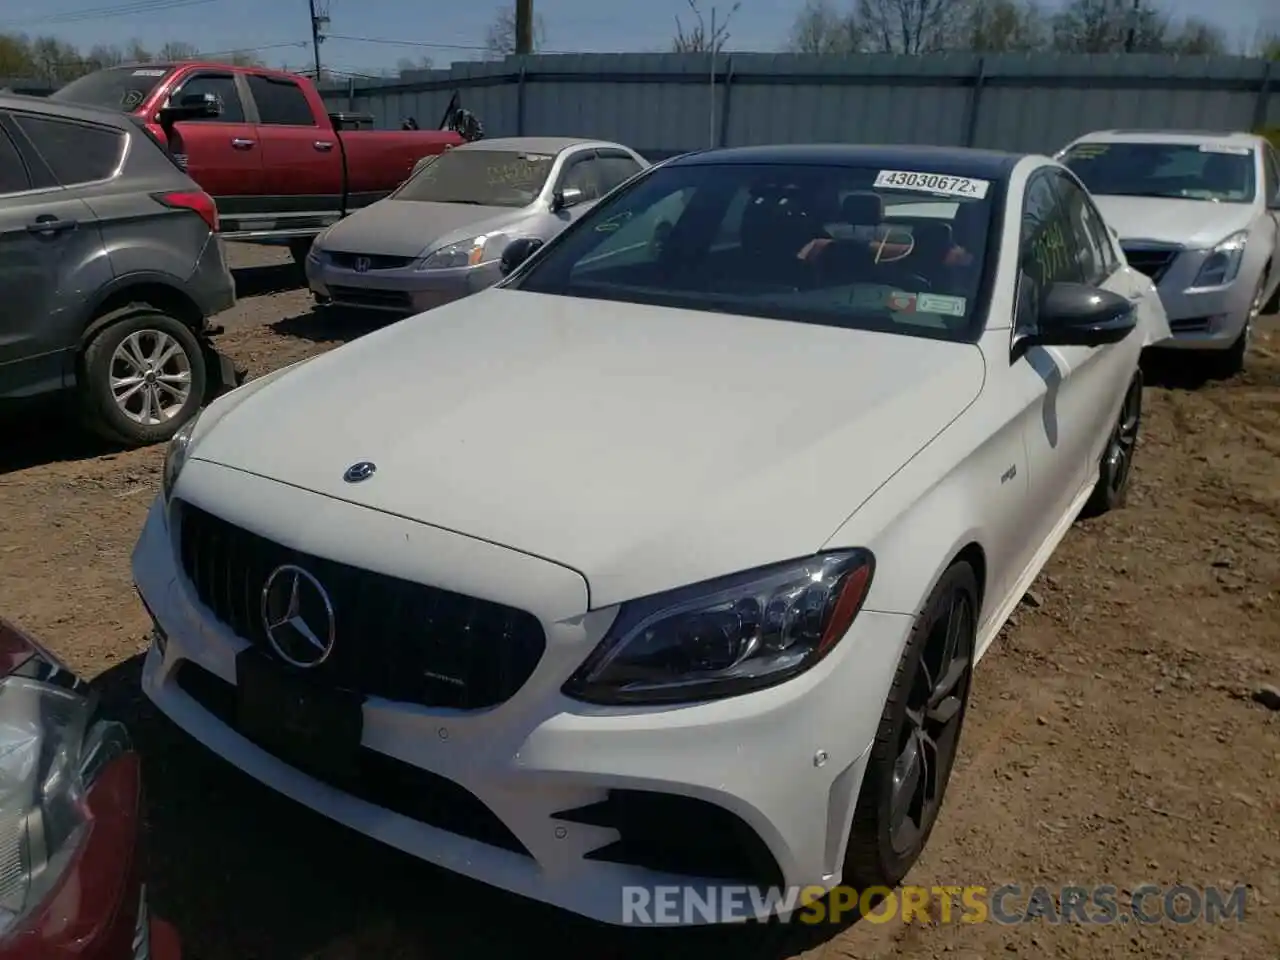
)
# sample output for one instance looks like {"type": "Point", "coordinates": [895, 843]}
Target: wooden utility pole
{"type": "Point", "coordinates": [319, 20]}
{"type": "Point", "coordinates": [524, 27]}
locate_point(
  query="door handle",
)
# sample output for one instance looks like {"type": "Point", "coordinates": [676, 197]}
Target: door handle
{"type": "Point", "coordinates": [49, 225]}
{"type": "Point", "coordinates": [241, 144]}
{"type": "Point", "coordinates": [324, 146]}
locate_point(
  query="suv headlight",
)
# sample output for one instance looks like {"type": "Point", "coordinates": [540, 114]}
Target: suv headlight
{"type": "Point", "coordinates": [51, 751]}
{"type": "Point", "coordinates": [466, 253]}
{"type": "Point", "coordinates": [175, 457]}
{"type": "Point", "coordinates": [1223, 262]}
{"type": "Point", "coordinates": [728, 636]}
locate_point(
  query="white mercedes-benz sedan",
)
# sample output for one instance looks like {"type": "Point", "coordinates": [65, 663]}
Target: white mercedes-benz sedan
{"type": "Point", "coordinates": [1200, 214]}
{"type": "Point", "coordinates": [667, 560]}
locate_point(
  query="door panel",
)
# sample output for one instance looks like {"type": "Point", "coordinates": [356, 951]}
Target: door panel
{"type": "Point", "coordinates": [301, 159]}
{"type": "Point", "coordinates": [1096, 378]}
{"type": "Point", "coordinates": [39, 286]}
{"type": "Point", "coordinates": [1055, 443]}
{"type": "Point", "coordinates": [223, 154]}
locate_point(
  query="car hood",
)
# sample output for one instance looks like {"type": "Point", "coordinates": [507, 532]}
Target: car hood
{"type": "Point", "coordinates": [1190, 223]}
{"type": "Point", "coordinates": [644, 447]}
{"type": "Point", "coordinates": [409, 228]}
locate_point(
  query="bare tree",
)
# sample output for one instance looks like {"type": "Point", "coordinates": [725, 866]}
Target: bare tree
{"type": "Point", "coordinates": [911, 26]}
{"type": "Point", "coordinates": [702, 37]}
{"type": "Point", "coordinates": [821, 28]}
{"type": "Point", "coordinates": [178, 50]}
{"type": "Point", "coordinates": [1195, 37]}
{"type": "Point", "coordinates": [500, 37]}
{"type": "Point", "coordinates": [1005, 26]}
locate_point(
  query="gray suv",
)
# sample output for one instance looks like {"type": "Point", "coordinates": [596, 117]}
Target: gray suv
{"type": "Point", "coordinates": [110, 266]}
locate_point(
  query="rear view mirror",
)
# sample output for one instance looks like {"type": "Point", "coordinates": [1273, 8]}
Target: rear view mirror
{"type": "Point", "coordinates": [517, 252]}
{"type": "Point", "coordinates": [1078, 315]}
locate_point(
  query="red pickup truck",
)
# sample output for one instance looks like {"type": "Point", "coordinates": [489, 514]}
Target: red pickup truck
{"type": "Point", "coordinates": [272, 157]}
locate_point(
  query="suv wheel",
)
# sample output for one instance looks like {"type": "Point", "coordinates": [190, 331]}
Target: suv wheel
{"type": "Point", "coordinates": [143, 377]}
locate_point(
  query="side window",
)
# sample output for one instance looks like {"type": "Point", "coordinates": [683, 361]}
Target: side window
{"type": "Point", "coordinates": [223, 87]}
{"type": "Point", "coordinates": [1271, 170]}
{"type": "Point", "coordinates": [74, 152]}
{"type": "Point", "coordinates": [281, 102]}
{"type": "Point", "coordinates": [636, 239]}
{"type": "Point", "coordinates": [13, 172]}
{"type": "Point", "coordinates": [1092, 246]}
{"type": "Point", "coordinates": [585, 174]}
{"type": "Point", "coordinates": [1047, 247]}
{"type": "Point", "coordinates": [614, 170]}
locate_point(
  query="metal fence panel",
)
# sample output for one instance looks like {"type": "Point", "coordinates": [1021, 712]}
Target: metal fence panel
{"type": "Point", "coordinates": [662, 103]}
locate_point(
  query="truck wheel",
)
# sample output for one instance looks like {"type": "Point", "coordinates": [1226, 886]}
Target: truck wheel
{"type": "Point", "coordinates": [142, 377]}
{"type": "Point", "coordinates": [299, 248]}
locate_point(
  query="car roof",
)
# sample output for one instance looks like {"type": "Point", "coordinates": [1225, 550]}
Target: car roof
{"type": "Point", "coordinates": [552, 145]}
{"type": "Point", "coordinates": [62, 108]}
{"type": "Point", "coordinates": [952, 161]}
{"type": "Point", "coordinates": [1188, 137]}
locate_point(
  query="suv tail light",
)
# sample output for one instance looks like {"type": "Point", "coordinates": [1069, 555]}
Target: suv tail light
{"type": "Point", "coordinates": [196, 200]}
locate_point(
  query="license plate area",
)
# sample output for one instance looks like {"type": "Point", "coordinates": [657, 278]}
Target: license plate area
{"type": "Point", "coordinates": [313, 727]}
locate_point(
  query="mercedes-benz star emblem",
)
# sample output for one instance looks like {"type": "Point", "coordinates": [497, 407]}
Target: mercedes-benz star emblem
{"type": "Point", "coordinates": [360, 471]}
{"type": "Point", "coordinates": [298, 617]}
{"type": "Point", "coordinates": [363, 264]}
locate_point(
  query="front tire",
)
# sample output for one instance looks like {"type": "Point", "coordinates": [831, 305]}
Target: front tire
{"type": "Point", "coordinates": [143, 376]}
{"type": "Point", "coordinates": [1112, 488]}
{"type": "Point", "coordinates": [918, 738]}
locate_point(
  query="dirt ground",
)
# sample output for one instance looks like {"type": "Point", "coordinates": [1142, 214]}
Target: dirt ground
{"type": "Point", "coordinates": [1112, 737]}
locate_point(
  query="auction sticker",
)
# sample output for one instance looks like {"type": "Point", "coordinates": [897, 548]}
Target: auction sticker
{"type": "Point", "coordinates": [149, 72]}
{"type": "Point", "coordinates": [937, 303]}
{"type": "Point", "coordinates": [900, 302]}
{"type": "Point", "coordinates": [1230, 148]}
{"type": "Point", "coordinates": [932, 183]}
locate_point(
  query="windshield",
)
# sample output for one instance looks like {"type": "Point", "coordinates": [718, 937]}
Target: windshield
{"type": "Point", "coordinates": [1215, 172]}
{"type": "Point", "coordinates": [119, 88]}
{"type": "Point", "coordinates": [489, 178]}
{"type": "Point", "coordinates": [854, 247]}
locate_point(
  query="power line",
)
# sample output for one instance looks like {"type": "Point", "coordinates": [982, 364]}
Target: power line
{"type": "Point", "coordinates": [114, 10]}
{"type": "Point", "coordinates": [426, 44]}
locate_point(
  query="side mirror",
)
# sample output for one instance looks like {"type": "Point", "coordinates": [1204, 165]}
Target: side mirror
{"type": "Point", "coordinates": [192, 106]}
{"type": "Point", "coordinates": [517, 252]}
{"type": "Point", "coordinates": [566, 198]}
{"type": "Point", "coordinates": [1078, 315]}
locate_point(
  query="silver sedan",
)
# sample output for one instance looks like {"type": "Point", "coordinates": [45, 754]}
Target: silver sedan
{"type": "Point", "coordinates": [442, 233]}
{"type": "Point", "coordinates": [1199, 214]}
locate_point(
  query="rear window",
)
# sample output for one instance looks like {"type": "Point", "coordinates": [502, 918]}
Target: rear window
{"type": "Point", "coordinates": [489, 178]}
{"type": "Point", "coordinates": [1223, 173]}
{"type": "Point", "coordinates": [118, 88]}
{"type": "Point", "coordinates": [857, 247]}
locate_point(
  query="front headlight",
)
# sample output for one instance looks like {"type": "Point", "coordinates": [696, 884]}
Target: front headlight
{"type": "Point", "coordinates": [50, 755]}
{"type": "Point", "coordinates": [726, 637]}
{"type": "Point", "coordinates": [175, 457]}
{"type": "Point", "coordinates": [1223, 262]}
{"type": "Point", "coordinates": [466, 253]}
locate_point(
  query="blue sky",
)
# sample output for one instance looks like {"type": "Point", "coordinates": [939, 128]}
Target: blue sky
{"type": "Point", "coordinates": [446, 31]}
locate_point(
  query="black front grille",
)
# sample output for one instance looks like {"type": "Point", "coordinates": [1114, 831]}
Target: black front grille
{"type": "Point", "coordinates": [394, 639]}
{"type": "Point", "coordinates": [349, 261]}
{"type": "Point", "coordinates": [680, 835]}
{"type": "Point", "coordinates": [383, 781]}
{"type": "Point", "coordinates": [1153, 261]}
{"type": "Point", "coordinates": [369, 297]}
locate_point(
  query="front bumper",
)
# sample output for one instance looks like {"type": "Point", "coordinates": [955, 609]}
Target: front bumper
{"type": "Point", "coordinates": [402, 291]}
{"type": "Point", "coordinates": [1203, 318]}
{"type": "Point", "coordinates": [786, 762]}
